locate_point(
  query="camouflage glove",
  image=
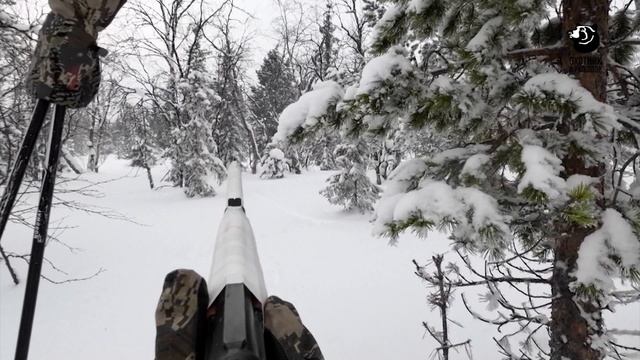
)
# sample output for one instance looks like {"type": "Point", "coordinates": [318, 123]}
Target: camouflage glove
{"type": "Point", "coordinates": [282, 321]}
{"type": "Point", "coordinates": [181, 317]}
{"type": "Point", "coordinates": [65, 68]}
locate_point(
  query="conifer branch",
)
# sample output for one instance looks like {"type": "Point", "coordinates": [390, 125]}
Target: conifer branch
{"type": "Point", "coordinates": [551, 53]}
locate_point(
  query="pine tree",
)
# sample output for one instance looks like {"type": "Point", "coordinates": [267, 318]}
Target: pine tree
{"type": "Point", "coordinates": [534, 159]}
{"type": "Point", "coordinates": [351, 187]}
{"type": "Point", "coordinates": [275, 90]}
{"type": "Point", "coordinates": [182, 90]}
{"type": "Point", "coordinates": [324, 58]}
{"type": "Point", "coordinates": [195, 156]}
{"type": "Point", "coordinates": [16, 46]}
{"type": "Point", "coordinates": [140, 149]}
{"type": "Point", "coordinates": [373, 11]}
{"type": "Point", "coordinates": [232, 131]}
{"type": "Point", "coordinates": [273, 163]}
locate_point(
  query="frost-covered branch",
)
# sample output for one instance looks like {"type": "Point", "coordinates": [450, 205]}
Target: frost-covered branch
{"type": "Point", "coordinates": [441, 298]}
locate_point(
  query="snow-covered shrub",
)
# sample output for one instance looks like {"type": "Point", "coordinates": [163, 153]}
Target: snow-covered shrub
{"type": "Point", "coordinates": [328, 161]}
{"type": "Point", "coordinates": [351, 187]}
{"type": "Point", "coordinates": [194, 154]}
{"type": "Point", "coordinates": [196, 173]}
{"type": "Point", "coordinates": [141, 153]}
{"type": "Point", "coordinates": [273, 164]}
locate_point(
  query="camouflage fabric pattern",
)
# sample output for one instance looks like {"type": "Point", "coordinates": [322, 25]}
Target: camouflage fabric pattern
{"type": "Point", "coordinates": [283, 321]}
{"type": "Point", "coordinates": [65, 68]}
{"type": "Point", "coordinates": [95, 15]}
{"type": "Point", "coordinates": [181, 317]}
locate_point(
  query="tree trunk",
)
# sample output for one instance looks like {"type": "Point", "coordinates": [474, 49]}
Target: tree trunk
{"type": "Point", "coordinates": [591, 12]}
{"type": "Point", "coordinates": [253, 145]}
{"type": "Point", "coordinates": [14, 276]}
{"type": "Point", "coordinates": [443, 303]}
{"type": "Point", "coordinates": [71, 161]}
{"type": "Point", "coordinates": [571, 333]}
{"type": "Point", "coordinates": [149, 176]}
{"type": "Point", "coordinates": [91, 161]}
{"type": "Point", "coordinates": [98, 148]}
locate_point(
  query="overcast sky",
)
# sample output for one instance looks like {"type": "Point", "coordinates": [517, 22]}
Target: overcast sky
{"type": "Point", "coordinates": [260, 23]}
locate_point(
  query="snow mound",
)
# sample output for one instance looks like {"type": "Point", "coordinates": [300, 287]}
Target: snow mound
{"type": "Point", "coordinates": [308, 109]}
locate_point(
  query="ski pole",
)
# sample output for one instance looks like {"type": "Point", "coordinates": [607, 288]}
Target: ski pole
{"type": "Point", "coordinates": [40, 233]}
{"type": "Point", "coordinates": [21, 162]}
{"type": "Point", "coordinates": [236, 285]}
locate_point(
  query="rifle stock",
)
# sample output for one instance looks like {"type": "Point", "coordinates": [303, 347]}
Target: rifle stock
{"type": "Point", "coordinates": [236, 284]}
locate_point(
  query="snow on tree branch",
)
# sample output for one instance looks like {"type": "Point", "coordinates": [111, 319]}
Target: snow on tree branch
{"type": "Point", "coordinates": [614, 242]}
{"type": "Point", "coordinates": [418, 6]}
{"type": "Point", "coordinates": [471, 214]}
{"type": "Point", "coordinates": [309, 109]}
{"type": "Point", "coordinates": [542, 169]}
{"type": "Point", "coordinates": [570, 90]}
{"type": "Point", "coordinates": [388, 66]}
{"type": "Point", "coordinates": [480, 40]}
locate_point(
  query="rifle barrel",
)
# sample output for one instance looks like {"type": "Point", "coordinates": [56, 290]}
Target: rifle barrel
{"type": "Point", "coordinates": [234, 184]}
{"type": "Point", "coordinates": [235, 258]}
{"type": "Point", "coordinates": [236, 284]}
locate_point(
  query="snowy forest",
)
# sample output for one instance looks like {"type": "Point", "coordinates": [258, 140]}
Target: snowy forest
{"type": "Point", "coordinates": [496, 162]}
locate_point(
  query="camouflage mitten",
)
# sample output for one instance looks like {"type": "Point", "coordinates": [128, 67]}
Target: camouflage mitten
{"type": "Point", "coordinates": [181, 319]}
{"type": "Point", "coordinates": [281, 320]}
{"type": "Point", "coordinates": [65, 68]}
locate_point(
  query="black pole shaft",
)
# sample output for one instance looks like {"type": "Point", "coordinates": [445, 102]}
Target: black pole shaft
{"type": "Point", "coordinates": [40, 235]}
{"type": "Point", "coordinates": [20, 165]}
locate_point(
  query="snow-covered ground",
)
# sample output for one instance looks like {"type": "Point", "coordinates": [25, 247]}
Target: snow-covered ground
{"type": "Point", "coordinates": [357, 295]}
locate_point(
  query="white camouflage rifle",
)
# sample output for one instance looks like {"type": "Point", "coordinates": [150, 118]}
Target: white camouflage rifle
{"type": "Point", "coordinates": [236, 284]}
